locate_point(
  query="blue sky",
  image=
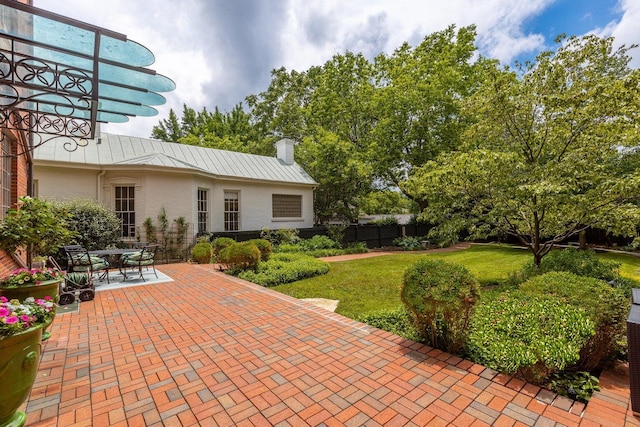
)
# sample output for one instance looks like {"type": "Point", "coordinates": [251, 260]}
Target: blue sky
{"type": "Point", "coordinates": [220, 51]}
{"type": "Point", "coordinates": [573, 17]}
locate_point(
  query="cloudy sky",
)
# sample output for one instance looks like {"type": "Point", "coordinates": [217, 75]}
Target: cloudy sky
{"type": "Point", "coordinates": [220, 51]}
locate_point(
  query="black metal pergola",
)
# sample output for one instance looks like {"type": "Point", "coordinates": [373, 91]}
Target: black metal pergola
{"type": "Point", "coordinates": [59, 77]}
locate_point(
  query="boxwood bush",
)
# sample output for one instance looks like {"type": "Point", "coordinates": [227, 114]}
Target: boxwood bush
{"type": "Point", "coordinates": [201, 252]}
{"type": "Point", "coordinates": [607, 307]}
{"type": "Point", "coordinates": [240, 257]}
{"type": "Point", "coordinates": [285, 268]}
{"type": "Point", "coordinates": [219, 244]}
{"type": "Point", "coordinates": [528, 336]}
{"type": "Point", "coordinates": [440, 297]}
{"type": "Point", "coordinates": [264, 246]}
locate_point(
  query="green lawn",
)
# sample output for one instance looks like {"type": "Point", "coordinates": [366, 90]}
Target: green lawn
{"type": "Point", "coordinates": [372, 284]}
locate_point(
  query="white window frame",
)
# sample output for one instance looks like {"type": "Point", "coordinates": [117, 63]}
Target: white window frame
{"type": "Point", "coordinates": [231, 210]}
{"type": "Point", "coordinates": [128, 227]}
{"type": "Point", "coordinates": [202, 210]}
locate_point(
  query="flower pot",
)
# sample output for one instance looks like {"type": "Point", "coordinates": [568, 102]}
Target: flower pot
{"type": "Point", "coordinates": [19, 359]}
{"type": "Point", "coordinates": [47, 288]}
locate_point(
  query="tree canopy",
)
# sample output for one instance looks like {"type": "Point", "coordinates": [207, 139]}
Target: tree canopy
{"type": "Point", "coordinates": [233, 130]}
{"type": "Point", "coordinates": [541, 162]}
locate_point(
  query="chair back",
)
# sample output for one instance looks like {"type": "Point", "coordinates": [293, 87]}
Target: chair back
{"type": "Point", "coordinates": [149, 251]}
{"type": "Point", "coordinates": [75, 255]}
{"type": "Point", "coordinates": [80, 260]}
{"type": "Point", "coordinates": [139, 245]}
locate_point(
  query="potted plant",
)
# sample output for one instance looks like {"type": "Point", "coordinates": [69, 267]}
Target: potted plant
{"type": "Point", "coordinates": [21, 326]}
{"type": "Point", "coordinates": [35, 227]}
{"type": "Point", "coordinates": [37, 283]}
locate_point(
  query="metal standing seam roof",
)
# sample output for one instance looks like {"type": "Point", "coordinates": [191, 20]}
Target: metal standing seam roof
{"type": "Point", "coordinates": [118, 150]}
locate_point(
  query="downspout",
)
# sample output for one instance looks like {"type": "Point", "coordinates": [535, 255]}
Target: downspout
{"type": "Point", "coordinates": [99, 186]}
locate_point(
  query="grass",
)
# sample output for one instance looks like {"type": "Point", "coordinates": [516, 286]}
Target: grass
{"type": "Point", "coordinates": [370, 284]}
{"type": "Point", "coordinates": [629, 264]}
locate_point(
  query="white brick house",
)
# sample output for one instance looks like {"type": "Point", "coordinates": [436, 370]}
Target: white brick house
{"type": "Point", "coordinates": [214, 190]}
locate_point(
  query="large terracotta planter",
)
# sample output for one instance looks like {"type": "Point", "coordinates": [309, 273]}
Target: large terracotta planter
{"type": "Point", "coordinates": [19, 359]}
{"type": "Point", "coordinates": [47, 288]}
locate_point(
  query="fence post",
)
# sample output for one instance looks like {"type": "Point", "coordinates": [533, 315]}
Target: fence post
{"type": "Point", "coordinates": [633, 343]}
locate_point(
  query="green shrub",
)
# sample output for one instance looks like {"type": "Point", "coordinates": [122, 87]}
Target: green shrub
{"type": "Point", "coordinates": [409, 243]}
{"type": "Point", "coordinates": [577, 261]}
{"type": "Point", "coordinates": [396, 321]}
{"type": "Point", "coordinates": [529, 337]}
{"type": "Point", "coordinates": [240, 257]}
{"type": "Point", "coordinates": [97, 226]}
{"type": "Point", "coordinates": [285, 268]}
{"type": "Point", "coordinates": [264, 246]}
{"type": "Point", "coordinates": [288, 248]}
{"type": "Point", "coordinates": [318, 242]}
{"type": "Point", "coordinates": [201, 252]}
{"type": "Point", "coordinates": [280, 236]}
{"type": "Point", "coordinates": [219, 244]}
{"type": "Point", "coordinates": [606, 307]}
{"type": "Point", "coordinates": [387, 220]}
{"type": "Point", "coordinates": [440, 297]}
{"type": "Point", "coordinates": [356, 248]}
{"type": "Point", "coordinates": [336, 231]}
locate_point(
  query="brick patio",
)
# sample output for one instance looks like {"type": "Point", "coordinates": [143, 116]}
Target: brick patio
{"type": "Point", "coordinates": [209, 349]}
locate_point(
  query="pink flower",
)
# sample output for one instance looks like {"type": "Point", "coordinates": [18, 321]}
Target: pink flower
{"type": "Point", "coordinates": [3, 299]}
{"type": "Point", "coordinates": [11, 320]}
{"type": "Point", "coordinates": [4, 311]}
{"type": "Point", "coordinates": [48, 297]}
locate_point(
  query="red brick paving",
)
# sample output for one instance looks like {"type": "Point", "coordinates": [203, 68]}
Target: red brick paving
{"type": "Point", "coordinates": [212, 350]}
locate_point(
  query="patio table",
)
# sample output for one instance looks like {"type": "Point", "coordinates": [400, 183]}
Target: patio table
{"type": "Point", "coordinates": [111, 253]}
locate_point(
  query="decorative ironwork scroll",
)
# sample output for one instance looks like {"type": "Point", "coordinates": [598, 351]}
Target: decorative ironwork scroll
{"type": "Point", "coordinates": [52, 69]}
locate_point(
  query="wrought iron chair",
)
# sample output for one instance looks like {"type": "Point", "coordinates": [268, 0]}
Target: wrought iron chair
{"type": "Point", "coordinates": [137, 260]}
{"type": "Point", "coordinates": [81, 262]}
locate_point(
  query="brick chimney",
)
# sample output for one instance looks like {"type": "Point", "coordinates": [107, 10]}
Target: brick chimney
{"type": "Point", "coordinates": [285, 150]}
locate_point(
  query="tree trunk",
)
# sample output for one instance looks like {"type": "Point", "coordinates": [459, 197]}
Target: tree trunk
{"type": "Point", "coordinates": [582, 238]}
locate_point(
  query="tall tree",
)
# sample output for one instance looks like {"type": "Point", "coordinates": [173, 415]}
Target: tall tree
{"type": "Point", "coordinates": [540, 163]}
{"type": "Point", "coordinates": [327, 108]}
{"type": "Point", "coordinates": [418, 100]}
{"type": "Point", "coordinates": [231, 130]}
{"type": "Point", "coordinates": [333, 163]}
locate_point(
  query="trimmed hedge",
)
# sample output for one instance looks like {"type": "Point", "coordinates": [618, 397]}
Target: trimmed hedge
{"type": "Point", "coordinates": [219, 244]}
{"type": "Point", "coordinates": [606, 306]}
{"type": "Point", "coordinates": [528, 336]}
{"type": "Point", "coordinates": [240, 256]}
{"type": "Point", "coordinates": [264, 246]}
{"type": "Point", "coordinates": [285, 268]}
{"type": "Point", "coordinates": [201, 252]}
{"type": "Point", "coordinates": [440, 296]}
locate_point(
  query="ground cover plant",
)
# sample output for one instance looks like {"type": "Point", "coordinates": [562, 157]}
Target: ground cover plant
{"type": "Point", "coordinates": [285, 268]}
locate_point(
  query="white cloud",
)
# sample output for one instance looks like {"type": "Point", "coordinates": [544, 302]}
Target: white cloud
{"type": "Point", "coordinates": [627, 32]}
{"type": "Point", "coordinates": [219, 51]}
